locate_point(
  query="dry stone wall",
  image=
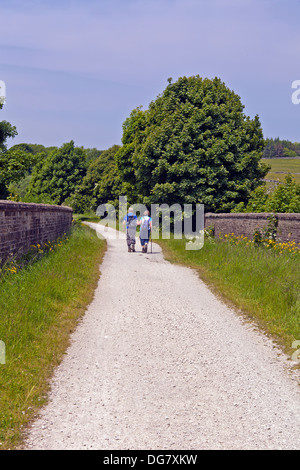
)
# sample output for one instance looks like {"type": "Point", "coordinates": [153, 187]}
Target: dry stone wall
{"type": "Point", "coordinates": [25, 224]}
{"type": "Point", "coordinates": [288, 228]}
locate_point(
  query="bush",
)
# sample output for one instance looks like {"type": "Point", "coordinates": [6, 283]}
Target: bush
{"type": "Point", "coordinates": [285, 198]}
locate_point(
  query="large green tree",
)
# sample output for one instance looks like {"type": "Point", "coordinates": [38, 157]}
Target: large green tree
{"type": "Point", "coordinates": [14, 163]}
{"type": "Point", "coordinates": [193, 145]}
{"type": "Point", "coordinates": [58, 175]}
{"type": "Point", "coordinates": [133, 131]}
{"type": "Point", "coordinates": [102, 182]}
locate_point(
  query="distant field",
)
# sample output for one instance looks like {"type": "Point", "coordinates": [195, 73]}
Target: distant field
{"type": "Point", "coordinates": [280, 167]}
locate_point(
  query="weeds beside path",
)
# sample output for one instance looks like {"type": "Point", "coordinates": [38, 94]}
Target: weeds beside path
{"type": "Point", "coordinates": [40, 306]}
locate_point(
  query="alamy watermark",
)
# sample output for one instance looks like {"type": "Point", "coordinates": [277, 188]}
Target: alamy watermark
{"type": "Point", "coordinates": [296, 94]}
{"type": "Point", "coordinates": [2, 352]}
{"type": "Point", "coordinates": [182, 221]}
{"type": "Point", "coordinates": [2, 92]}
{"type": "Point", "coordinates": [296, 354]}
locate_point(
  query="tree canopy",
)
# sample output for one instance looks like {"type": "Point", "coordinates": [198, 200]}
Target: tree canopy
{"type": "Point", "coordinates": [14, 163]}
{"type": "Point", "coordinates": [58, 175]}
{"type": "Point", "coordinates": [193, 145]}
{"type": "Point", "coordinates": [101, 183]}
{"type": "Point", "coordinates": [279, 148]}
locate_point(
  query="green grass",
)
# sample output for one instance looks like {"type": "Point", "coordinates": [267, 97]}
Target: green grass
{"type": "Point", "coordinates": [280, 167]}
{"type": "Point", "coordinates": [87, 216]}
{"type": "Point", "coordinates": [260, 282]}
{"type": "Point", "coordinates": [40, 306]}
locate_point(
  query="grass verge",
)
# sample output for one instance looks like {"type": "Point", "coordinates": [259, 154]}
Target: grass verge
{"type": "Point", "coordinates": [260, 282]}
{"type": "Point", "coordinates": [280, 167]}
{"type": "Point", "coordinates": [40, 306]}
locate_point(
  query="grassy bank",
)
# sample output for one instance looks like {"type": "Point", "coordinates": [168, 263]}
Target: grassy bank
{"type": "Point", "coordinates": [40, 306]}
{"type": "Point", "coordinates": [280, 167]}
{"type": "Point", "coordinates": [261, 281]}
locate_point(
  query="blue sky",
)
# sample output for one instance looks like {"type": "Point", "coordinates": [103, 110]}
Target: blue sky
{"type": "Point", "coordinates": [75, 69]}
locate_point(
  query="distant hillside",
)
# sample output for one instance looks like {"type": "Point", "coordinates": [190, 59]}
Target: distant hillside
{"type": "Point", "coordinates": [280, 167]}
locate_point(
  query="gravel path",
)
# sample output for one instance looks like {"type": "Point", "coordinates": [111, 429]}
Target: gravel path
{"type": "Point", "coordinates": [158, 362]}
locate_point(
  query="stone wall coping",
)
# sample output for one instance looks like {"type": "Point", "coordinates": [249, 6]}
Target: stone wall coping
{"type": "Point", "coordinates": [31, 206]}
{"type": "Point", "coordinates": [253, 215]}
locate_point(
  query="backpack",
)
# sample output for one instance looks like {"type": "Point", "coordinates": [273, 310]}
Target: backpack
{"type": "Point", "coordinates": [131, 225]}
{"type": "Point", "coordinates": [131, 221]}
{"type": "Point", "coordinates": [145, 227]}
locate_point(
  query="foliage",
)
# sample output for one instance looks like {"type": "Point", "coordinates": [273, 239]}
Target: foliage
{"type": "Point", "coordinates": [15, 263]}
{"type": "Point", "coordinates": [92, 154]}
{"type": "Point", "coordinates": [6, 131]}
{"type": "Point", "coordinates": [193, 145]}
{"type": "Point", "coordinates": [14, 163]}
{"type": "Point", "coordinates": [57, 176]}
{"type": "Point", "coordinates": [133, 129]}
{"type": "Point", "coordinates": [18, 189]}
{"type": "Point", "coordinates": [278, 148]}
{"type": "Point", "coordinates": [263, 240]}
{"type": "Point", "coordinates": [101, 183]}
{"type": "Point", "coordinates": [285, 198]}
{"type": "Point", "coordinates": [33, 148]}
{"type": "Point", "coordinates": [35, 153]}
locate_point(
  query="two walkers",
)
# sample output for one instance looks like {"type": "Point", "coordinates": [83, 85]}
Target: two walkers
{"type": "Point", "coordinates": [132, 222]}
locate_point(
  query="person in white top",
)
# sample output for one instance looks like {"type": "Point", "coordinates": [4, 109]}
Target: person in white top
{"type": "Point", "coordinates": [145, 230]}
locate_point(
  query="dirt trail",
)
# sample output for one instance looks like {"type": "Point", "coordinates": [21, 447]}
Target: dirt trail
{"type": "Point", "coordinates": [158, 362]}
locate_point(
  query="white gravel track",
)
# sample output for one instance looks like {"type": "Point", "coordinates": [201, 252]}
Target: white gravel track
{"type": "Point", "coordinates": [158, 362]}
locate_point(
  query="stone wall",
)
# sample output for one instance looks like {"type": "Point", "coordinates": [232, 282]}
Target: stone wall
{"type": "Point", "coordinates": [245, 224]}
{"type": "Point", "coordinates": [25, 224]}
